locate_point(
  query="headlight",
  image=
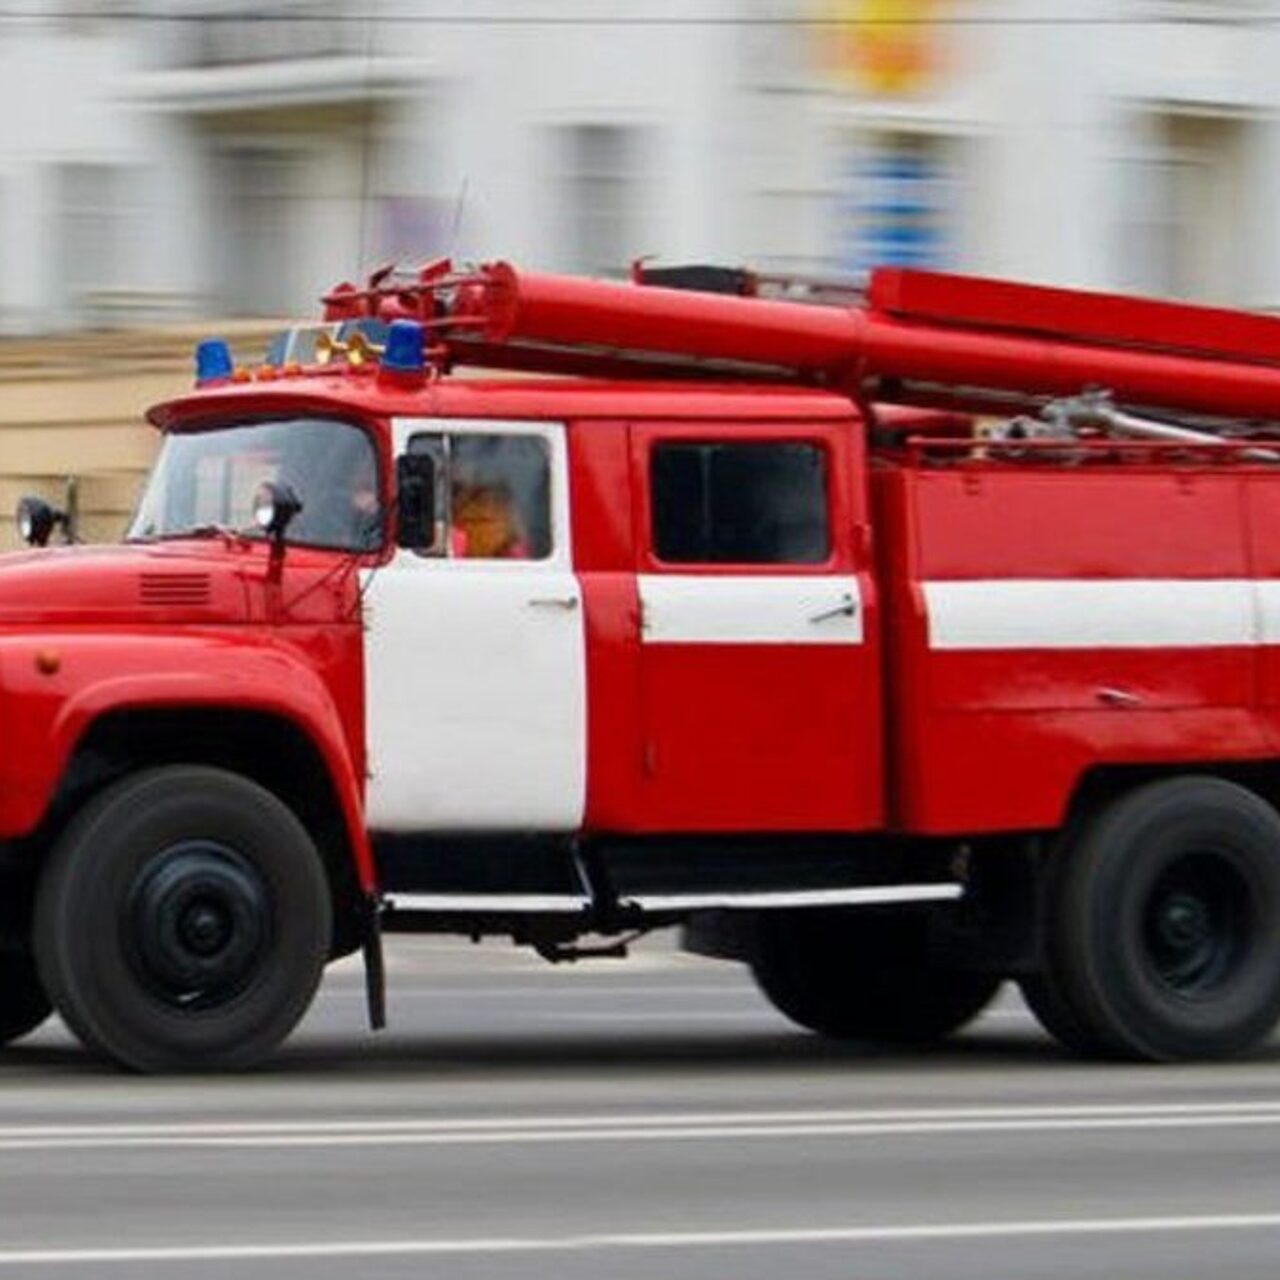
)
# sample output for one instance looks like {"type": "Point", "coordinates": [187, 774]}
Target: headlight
{"type": "Point", "coordinates": [36, 520]}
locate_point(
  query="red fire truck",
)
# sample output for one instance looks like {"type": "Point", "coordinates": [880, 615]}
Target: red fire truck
{"type": "Point", "coordinates": [893, 644]}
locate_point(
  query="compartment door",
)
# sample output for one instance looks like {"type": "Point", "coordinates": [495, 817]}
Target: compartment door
{"type": "Point", "coordinates": [760, 674]}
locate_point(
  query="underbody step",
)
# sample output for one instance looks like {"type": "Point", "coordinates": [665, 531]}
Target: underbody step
{"type": "Point", "coordinates": [859, 895]}
{"type": "Point", "coordinates": [501, 903]}
{"type": "Point", "coordinates": [665, 903]}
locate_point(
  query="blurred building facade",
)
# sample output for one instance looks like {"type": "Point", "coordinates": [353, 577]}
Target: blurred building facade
{"type": "Point", "coordinates": [208, 158]}
{"type": "Point", "coordinates": [227, 159]}
{"type": "Point", "coordinates": [1126, 144]}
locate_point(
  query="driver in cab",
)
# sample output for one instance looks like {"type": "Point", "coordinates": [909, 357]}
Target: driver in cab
{"type": "Point", "coordinates": [486, 523]}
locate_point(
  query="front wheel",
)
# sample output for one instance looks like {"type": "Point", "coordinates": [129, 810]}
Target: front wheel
{"type": "Point", "coordinates": [23, 1003]}
{"type": "Point", "coordinates": [183, 921]}
{"type": "Point", "coordinates": [864, 975]}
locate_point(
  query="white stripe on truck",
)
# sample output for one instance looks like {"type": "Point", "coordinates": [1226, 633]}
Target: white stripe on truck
{"type": "Point", "coordinates": [1110, 613]}
{"type": "Point", "coordinates": [751, 609]}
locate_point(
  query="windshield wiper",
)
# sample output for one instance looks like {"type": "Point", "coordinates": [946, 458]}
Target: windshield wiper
{"type": "Point", "coordinates": [223, 531]}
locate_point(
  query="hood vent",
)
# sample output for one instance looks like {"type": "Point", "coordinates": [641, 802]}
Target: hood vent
{"type": "Point", "coordinates": [174, 588]}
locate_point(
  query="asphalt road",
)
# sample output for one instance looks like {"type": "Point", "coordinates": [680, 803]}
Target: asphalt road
{"type": "Point", "coordinates": [650, 1118]}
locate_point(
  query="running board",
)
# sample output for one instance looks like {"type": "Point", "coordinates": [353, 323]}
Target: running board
{"type": "Point", "coordinates": [490, 903]}
{"type": "Point", "coordinates": [859, 896]}
{"type": "Point", "coordinates": [667, 903]}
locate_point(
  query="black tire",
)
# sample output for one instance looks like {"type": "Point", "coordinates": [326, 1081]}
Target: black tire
{"type": "Point", "coordinates": [23, 1003]}
{"type": "Point", "coordinates": [1043, 990]}
{"type": "Point", "coordinates": [1052, 1009]}
{"type": "Point", "coordinates": [183, 921]}
{"type": "Point", "coordinates": [1165, 931]}
{"type": "Point", "coordinates": [864, 975]}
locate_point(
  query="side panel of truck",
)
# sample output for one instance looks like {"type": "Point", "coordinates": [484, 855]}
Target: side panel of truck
{"type": "Point", "coordinates": [604, 557]}
{"type": "Point", "coordinates": [1050, 621]}
{"type": "Point", "coordinates": [1262, 494]}
{"type": "Point", "coordinates": [758, 684]}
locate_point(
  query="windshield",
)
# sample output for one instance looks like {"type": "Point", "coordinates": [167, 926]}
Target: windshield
{"type": "Point", "coordinates": [205, 481]}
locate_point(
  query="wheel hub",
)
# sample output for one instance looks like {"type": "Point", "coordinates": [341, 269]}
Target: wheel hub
{"type": "Point", "coordinates": [199, 918]}
{"type": "Point", "coordinates": [1184, 921]}
{"type": "Point", "coordinates": [1199, 924]}
{"type": "Point", "coordinates": [205, 928]}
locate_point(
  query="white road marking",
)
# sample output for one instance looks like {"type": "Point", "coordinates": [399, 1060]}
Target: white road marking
{"type": "Point", "coordinates": [658, 1127]}
{"type": "Point", "coordinates": [861, 1234]}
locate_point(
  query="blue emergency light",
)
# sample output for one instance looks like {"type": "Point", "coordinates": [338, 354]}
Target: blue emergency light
{"type": "Point", "coordinates": [404, 352]}
{"type": "Point", "coordinates": [213, 360]}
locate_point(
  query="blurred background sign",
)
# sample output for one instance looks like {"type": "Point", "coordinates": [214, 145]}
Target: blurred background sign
{"type": "Point", "coordinates": [883, 48]}
{"type": "Point", "coordinates": [897, 202]}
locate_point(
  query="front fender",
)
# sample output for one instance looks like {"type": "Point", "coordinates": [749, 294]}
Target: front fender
{"type": "Point", "coordinates": [53, 689]}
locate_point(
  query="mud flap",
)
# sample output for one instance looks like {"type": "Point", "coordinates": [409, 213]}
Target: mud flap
{"type": "Point", "coordinates": [375, 969]}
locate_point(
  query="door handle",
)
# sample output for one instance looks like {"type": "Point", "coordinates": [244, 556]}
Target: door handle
{"type": "Point", "coordinates": [554, 602]}
{"type": "Point", "coordinates": [848, 608]}
{"type": "Point", "coordinates": [1117, 697]}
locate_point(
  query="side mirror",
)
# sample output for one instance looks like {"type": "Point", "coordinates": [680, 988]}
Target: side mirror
{"type": "Point", "coordinates": [37, 520]}
{"type": "Point", "coordinates": [274, 508]}
{"type": "Point", "coordinates": [416, 500]}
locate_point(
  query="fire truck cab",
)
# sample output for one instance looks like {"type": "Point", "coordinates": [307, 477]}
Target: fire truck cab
{"type": "Point", "coordinates": [869, 641]}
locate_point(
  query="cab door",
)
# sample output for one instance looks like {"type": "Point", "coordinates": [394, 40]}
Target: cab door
{"type": "Point", "coordinates": [759, 667]}
{"type": "Point", "coordinates": [474, 651]}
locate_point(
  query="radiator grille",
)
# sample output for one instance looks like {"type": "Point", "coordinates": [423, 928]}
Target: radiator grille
{"type": "Point", "coordinates": [174, 588]}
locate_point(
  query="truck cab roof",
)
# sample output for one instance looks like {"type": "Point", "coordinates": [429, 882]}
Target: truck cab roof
{"type": "Point", "coordinates": [362, 393]}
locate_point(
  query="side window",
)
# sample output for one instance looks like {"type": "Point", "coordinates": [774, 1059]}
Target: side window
{"type": "Point", "coordinates": [492, 496]}
{"type": "Point", "coordinates": [739, 503]}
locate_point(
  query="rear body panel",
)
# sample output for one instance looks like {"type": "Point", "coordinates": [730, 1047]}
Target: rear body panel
{"type": "Point", "coordinates": [1048, 621]}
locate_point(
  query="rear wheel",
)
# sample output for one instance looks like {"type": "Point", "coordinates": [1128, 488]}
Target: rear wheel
{"type": "Point", "coordinates": [864, 975]}
{"type": "Point", "coordinates": [1053, 1011]}
{"type": "Point", "coordinates": [183, 921]}
{"type": "Point", "coordinates": [1043, 990]}
{"type": "Point", "coordinates": [23, 1003]}
{"type": "Point", "coordinates": [1164, 931]}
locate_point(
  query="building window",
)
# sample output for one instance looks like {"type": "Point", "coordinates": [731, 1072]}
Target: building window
{"type": "Point", "coordinates": [599, 197]}
{"type": "Point", "coordinates": [96, 224]}
{"type": "Point", "coordinates": [258, 229]}
{"type": "Point", "coordinates": [1183, 226]}
{"type": "Point", "coordinates": [741, 503]}
{"type": "Point", "coordinates": [237, 34]}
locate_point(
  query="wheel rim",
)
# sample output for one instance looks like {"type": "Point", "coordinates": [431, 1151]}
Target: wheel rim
{"type": "Point", "coordinates": [1199, 924]}
{"type": "Point", "coordinates": [199, 924]}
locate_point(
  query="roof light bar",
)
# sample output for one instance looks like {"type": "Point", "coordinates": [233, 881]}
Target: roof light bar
{"type": "Point", "coordinates": [405, 351]}
{"type": "Point", "coordinates": [213, 361]}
